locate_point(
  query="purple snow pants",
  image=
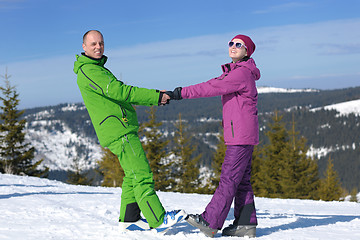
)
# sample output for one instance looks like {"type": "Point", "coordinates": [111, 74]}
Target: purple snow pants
{"type": "Point", "coordinates": [234, 183]}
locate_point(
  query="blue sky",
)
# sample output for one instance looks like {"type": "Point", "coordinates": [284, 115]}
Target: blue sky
{"type": "Point", "coordinates": [165, 44]}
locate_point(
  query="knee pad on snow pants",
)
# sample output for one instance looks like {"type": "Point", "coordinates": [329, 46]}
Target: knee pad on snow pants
{"type": "Point", "coordinates": [132, 213]}
{"type": "Point", "coordinates": [247, 215]}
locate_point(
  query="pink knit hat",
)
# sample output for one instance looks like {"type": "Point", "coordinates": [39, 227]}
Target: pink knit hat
{"type": "Point", "coordinates": [250, 45]}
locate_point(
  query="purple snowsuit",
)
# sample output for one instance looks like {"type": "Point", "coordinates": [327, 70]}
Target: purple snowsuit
{"type": "Point", "coordinates": [241, 132]}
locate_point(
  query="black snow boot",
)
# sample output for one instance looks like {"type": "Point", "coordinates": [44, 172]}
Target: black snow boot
{"type": "Point", "coordinates": [237, 230]}
{"type": "Point", "coordinates": [199, 222]}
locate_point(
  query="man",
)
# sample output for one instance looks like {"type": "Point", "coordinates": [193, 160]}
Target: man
{"type": "Point", "coordinates": [109, 104]}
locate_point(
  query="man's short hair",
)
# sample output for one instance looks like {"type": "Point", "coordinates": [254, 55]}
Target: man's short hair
{"type": "Point", "coordinates": [85, 35]}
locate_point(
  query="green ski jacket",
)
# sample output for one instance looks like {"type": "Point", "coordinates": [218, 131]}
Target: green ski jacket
{"type": "Point", "coordinates": [108, 100]}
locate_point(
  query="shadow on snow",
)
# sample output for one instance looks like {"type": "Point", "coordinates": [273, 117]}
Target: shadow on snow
{"type": "Point", "coordinates": [301, 221]}
{"type": "Point", "coordinates": [46, 193]}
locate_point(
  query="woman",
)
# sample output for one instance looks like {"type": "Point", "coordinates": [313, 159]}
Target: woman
{"type": "Point", "coordinates": [241, 132]}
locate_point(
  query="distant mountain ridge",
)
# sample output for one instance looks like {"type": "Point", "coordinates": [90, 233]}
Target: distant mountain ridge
{"type": "Point", "coordinates": [64, 132]}
{"type": "Point", "coordinates": [283, 90]}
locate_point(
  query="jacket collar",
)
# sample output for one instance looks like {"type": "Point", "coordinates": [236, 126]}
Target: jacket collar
{"type": "Point", "coordinates": [230, 66]}
{"type": "Point", "coordinates": [99, 61]}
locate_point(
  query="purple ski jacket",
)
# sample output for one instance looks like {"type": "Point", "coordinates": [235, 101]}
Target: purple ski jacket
{"type": "Point", "coordinates": [239, 99]}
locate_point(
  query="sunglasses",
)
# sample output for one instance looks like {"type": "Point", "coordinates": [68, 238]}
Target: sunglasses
{"type": "Point", "coordinates": [237, 45]}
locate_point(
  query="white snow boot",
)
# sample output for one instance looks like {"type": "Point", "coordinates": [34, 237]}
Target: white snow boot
{"type": "Point", "coordinates": [140, 225]}
{"type": "Point", "coordinates": [170, 219]}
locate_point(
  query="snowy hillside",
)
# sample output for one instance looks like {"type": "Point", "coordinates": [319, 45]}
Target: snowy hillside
{"type": "Point", "coordinates": [34, 208]}
{"type": "Point", "coordinates": [344, 108]}
{"type": "Point", "coordinates": [64, 133]}
{"type": "Point", "coordinates": [283, 90]}
{"type": "Point", "coordinates": [58, 148]}
{"type": "Point", "coordinates": [58, 145]}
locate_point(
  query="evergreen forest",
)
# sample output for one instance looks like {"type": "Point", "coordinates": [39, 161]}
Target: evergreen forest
{"type": "Point", "coordinates": [321, 129]}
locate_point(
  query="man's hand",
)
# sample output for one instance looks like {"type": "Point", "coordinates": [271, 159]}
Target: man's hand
{"type": "Point", "coordinates": [165, 98]}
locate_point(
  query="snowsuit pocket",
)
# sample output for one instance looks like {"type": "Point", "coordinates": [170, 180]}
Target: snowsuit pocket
{"type": "Point", "coordinates": [232, 128]}
{"type": "Point", "coordinates": [113, 116]}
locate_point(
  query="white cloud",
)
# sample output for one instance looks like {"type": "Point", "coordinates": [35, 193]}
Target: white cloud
{"type": "Point", "coordinates": [309, 50]}
{"type": "Point", "coordinates": [291, 56]}
{"type": "Point", "coordinates": [282, 7]}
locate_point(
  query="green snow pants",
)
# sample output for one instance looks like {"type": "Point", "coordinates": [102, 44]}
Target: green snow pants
{"type": "Point", "coordinates": [138, 192]}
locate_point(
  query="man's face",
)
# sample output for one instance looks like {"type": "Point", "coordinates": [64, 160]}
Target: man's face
{"type": "Point", "coordinates": [93, 45]}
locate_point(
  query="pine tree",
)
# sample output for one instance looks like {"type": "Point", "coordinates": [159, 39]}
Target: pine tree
{"type": "Point", "coordinates": [272, 163]}
{"type": "Point", "coordinates": [216, 164]}
{"type": "Point", "coordinates": [330, 189]}
{"type": "Point", "coordinates": [309, 182]}
{"type": "Point", "coordinates": [282, 169]}
{"type": "Point", "coordinates": [16, 156]}
{"type": "Point", "coordinates": [300, 175]}
{"type": "Point", "coordinates": [353, 194]}
{"type": "Point", "coordinates": [78, 176]}
{"type": "Point", "coordinates": [154, 147]}
{"type": "Point", "coordinates": [110, 168]}
{"type": "Point", "coordinates": [256, 166]}
{"type": "Point", "coordinates": [186, 168]}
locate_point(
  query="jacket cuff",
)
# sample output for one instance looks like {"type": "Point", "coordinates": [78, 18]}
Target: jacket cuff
{"type": "Point", "coordinates": [160, 97]}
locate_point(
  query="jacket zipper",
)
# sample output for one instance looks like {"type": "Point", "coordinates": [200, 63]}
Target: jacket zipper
{"type": "Point", "coordinates": [152, 211]}
{"type": "Point", "coordinates": [128, 94]}
{"type": "Point", "coordinates": [232, 128]}
{"type": "Point", "coordinates": [92, 82]}
{"type": "Point", "coordinates": [124, 115]}
{"type": "Point", "coordinates": [124, 119]}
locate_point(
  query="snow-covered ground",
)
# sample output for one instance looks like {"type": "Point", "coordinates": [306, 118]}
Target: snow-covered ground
{"type": "Point", "coordinates": [34, 208]}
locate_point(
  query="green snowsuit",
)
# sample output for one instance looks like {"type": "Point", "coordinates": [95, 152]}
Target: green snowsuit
{"type": "Point", "coordinates": [109, 104]}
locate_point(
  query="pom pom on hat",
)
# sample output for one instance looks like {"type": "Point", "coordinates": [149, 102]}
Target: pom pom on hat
{"type": "Point", "coordinates": [250, 45]}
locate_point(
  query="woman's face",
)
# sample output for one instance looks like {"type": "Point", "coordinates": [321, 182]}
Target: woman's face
{"type": "Point", "coordinates": [235, 53]}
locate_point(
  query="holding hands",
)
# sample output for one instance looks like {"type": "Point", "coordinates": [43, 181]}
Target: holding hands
{"type": "Point", "coordinates": [166, 96]}
{"type": "Point", "coordinates": [176, 94]}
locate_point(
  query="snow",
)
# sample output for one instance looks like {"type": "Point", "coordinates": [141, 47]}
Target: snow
{"type": "Point", "coordinates": [34, 208]}
{"type": "Point", "coordinates": [72, 107]}
{"type": "Point", "coordinates": [60, 148]}
{"type": "Point", "coordinates": [323, 151]}
{"type": "Point", "coordinates": [204, 119]}
{"type": "Point", "coordinates": [283, 90]}
{"type": "Point", "coordinates": [343, 108]}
